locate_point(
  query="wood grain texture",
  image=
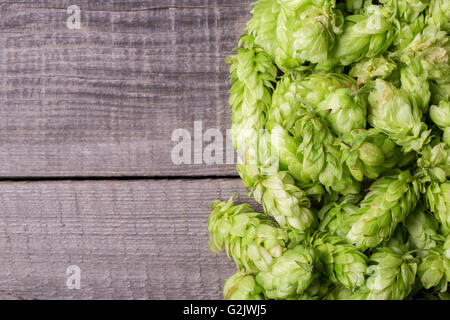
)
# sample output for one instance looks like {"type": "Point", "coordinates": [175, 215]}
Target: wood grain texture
{"type": "Point", "coordinates": [105, 99]}
{"type": "Point", "coordinates": [131, 239]}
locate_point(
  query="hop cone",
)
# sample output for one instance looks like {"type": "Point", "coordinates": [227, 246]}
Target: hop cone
{"type": "Point", "coordinates": [391, 112]}
{"type": "Point", "coordinates": [334, 217]}
{"type": "Point", "coordinates": [440, 115]}
{"type": "Point", "coordinates": [290, 275]}
{"type": "Point", "coordinates": [295, 31]}
{"type": "Point", "coordinates": [391, 277]}
{"type": "Point", "coordinates": [343, 263]}
{"type": "Point", "coordinates": [440, 90]}
{"type": "Point", "coordinates": [364, 36]}
{"type": "Point", "coordinates": [369, 69]}
{"type": "Point", "coordinates": [317, 290]}
{"type": "Point", "coordinates": [342, 111]}
{"type": "Point", "coordinates": [415, 84]}
{"type": "Point", "coordinates": [284, 201]}
{"type": "Point", "coordinates": [434, 168]}
{"type": "Point", "coordinates": [263, 24]}
{"type": "Point", "coordinates": [405, 10]}
{"type": "Point", "coordinates": [439, 11]}
{"type": "Point", "coordinates": [388, 202]}
{"type": "Point", "coordinates": [434, 270]}
{"type": "Point", "coordinates": [423, 231]}
{"type": "Point", "coordinates": [428, 53]}
{"type": "Point", "coordinates": [284, 146]}
{"type": "Point", "coordinates": [249, 237]}
{"type": "Point", "coordinates": [342, 293]}
{"type": "Point", "coordinates": [322, 156]}
{"type": "Point", "coordinates": [369, 153]}
{"type": "Point", "coordinates": [242, 286]}
{"type": "Point", "coordinates": [293, 98]}
{"type": "Point", "coordinates": [252, 75]}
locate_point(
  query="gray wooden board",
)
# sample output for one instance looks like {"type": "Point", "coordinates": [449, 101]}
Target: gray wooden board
{"type": "Point", "coordinates": [105, 99]}
{"type": "Point", "coordinates": [134, 239]}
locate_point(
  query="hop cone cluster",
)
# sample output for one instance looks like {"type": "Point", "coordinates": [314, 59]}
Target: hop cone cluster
{"type": "Point", "coordinates": [341, 120]}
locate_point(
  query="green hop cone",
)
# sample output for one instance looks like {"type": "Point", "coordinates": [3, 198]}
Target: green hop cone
{"type": "Point", "coordinates": [252, 75]}
{"type": "Point", "coordinates": [446, 247]}
{"type": "Point", "coordinates": [440, 115]}
{"type": "Point", "coordinates": [369, 69]}
{"type": "Point", "coordinates": [364, 36]}
{"type": "Point", "coordinates": [290, 275]}
{"type": "Point", "coordinates": [343, 263]}
{"type": "Point", "coordinates": [249, 237]}
{"type": "Point", "coordinates": [263, 24]}
{"type": "Point", "coordinates": [342, 293]}
{"type": "Point", "coordinates": [317, 290]}
{"type": "Point", "coordinates": [293, 32]}
{"type": "Point", "coordinates": [322, 155]}
{"type": "Point", "coordinates": [242, 286]}
{"type": "Point", "coordinates": [391, 275]}
{"type": "Point", "coordinates": [284, 146]}
{"type": "Point", "coordinates": [391, 112]}
{"type": "Point", "coordinates": [407, 32]}
{"type": "Point", "coordinates": [440, 90]}
{"type": "Point", "coordinates": [433, 170]}
{"type": "Point", "coordinates": [439, 13]}
{"type": "Point", "coordinates": [417, 87]}
{"type": "Point", "coordinates": [286, 202]}
{"type": "Point", "coordinates": [342, 111]}
{"type": "Point", "coordinates": [334, 216]}
{"type": "Point", "coordinates": [293, 98]}
{"type": "Point", "coordinates": [389, 201]}
{"type": "Point", "coordinates": [438, 198]}
{"type": "Point", "coordinates": [434, 270]}
{"type": "Point", "coordinates": [423, 231]}
{"type": "Point", "coordinates": [369, 153]}
{"type": "Point", "coordinates": [428, 53]}
{"type": "Point", "coordinates": [405, 10]}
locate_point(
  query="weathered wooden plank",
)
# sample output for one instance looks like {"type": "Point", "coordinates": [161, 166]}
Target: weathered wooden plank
{"type": "Point", "coordinates": [105, 99]}
{"type": "Point", "coordinates": [132, 239]}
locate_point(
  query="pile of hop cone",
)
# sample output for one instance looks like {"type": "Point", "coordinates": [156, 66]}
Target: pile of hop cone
{"type": "Point", "coordinates": [341, 118]}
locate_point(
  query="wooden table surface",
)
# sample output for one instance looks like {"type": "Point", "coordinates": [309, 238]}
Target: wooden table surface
{"type": "Point", "coordinates": [86, 123]}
